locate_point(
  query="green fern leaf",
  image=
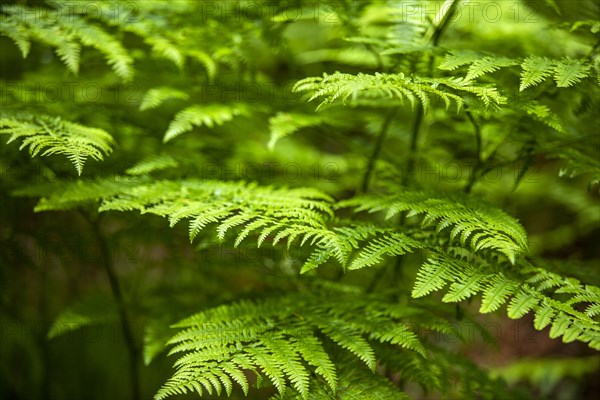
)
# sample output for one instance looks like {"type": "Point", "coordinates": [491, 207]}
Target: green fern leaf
{"type": "Point", "coordinates": [487, 227]}
{"type": "Point", "coordinates": [156, 96]}
{"type": "Point", "coordinates": [199, 115]}
{"type": "Point", "coordinates": [568, 72]}
{"type": "Point", "coordinates": [379, 89]}
{"type": "Point", "coordinates": [543, 317]}
{"type": "Point", "coordinates": [45, 135]}
{"type": "Point", "coordinates": [284, 124]}
{"type": "Point", "coordinates": [151, 164]}
{"type": "Point", "coordinates": [559, 325]}
{"type": "Point", "coordinates": [394, 244]}
{"type": "Point", "coordinates": [90, 311]}
{"type": "Point", "coordinates": [535, 71]}
{"type": "Point", "coordinates": [457, 59]}
{"type": "Point", "coordinates": [465, 287]}
{"type": "Point", "coordinates": [277, 338]}
{"type": "Point", "coordinates": [521, 304]}
{"type": "Point", "coordinates": [486, 65]}
{"type": "Point", "coordinates": [496, 294]}
{"type": "Point", "coordinates": [433, 275]}
{"type": "Point", "coordinates": [17, 33]}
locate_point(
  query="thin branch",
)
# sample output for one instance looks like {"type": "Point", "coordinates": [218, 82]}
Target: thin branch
{"type": "Point", "coordinates": [377, 150]}
{"type": "Point", "coordinates": [479, 162]}
{"type": "Point", "coordinates": [132, 349]}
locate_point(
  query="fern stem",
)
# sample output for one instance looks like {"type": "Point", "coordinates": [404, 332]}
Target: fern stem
{"type": "Point", "coordinates": [376, 278]}
{"type": "Point", "coordinates": [590, 55]}
{"type": "Point", "coordinates": [132, 349]}
{"type": "Point", "coordinates": [414, 138]}
{"type": "Point", "coordinates": [439, 30]}
{"type": "Point", "coordinates": [435, 40]}
{"type": "Point", "coordinates": [377, 150]}
{"type": "Point", "coordinates": [479, 161]}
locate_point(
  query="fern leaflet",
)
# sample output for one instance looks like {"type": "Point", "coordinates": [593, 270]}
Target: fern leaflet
{"type": "Point", "coordinates": [47, 135]}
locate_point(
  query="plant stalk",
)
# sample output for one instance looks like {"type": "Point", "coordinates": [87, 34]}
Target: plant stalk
{"type": "Point", "coordinates": [479, 162]}
{"type": "Point", "coordinates": [115, 286]}
{"type": "Point", "coordinates": [377, 150]}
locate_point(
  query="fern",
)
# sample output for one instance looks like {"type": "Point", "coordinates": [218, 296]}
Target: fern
{"type": "Point", "coordinates": [284, 124]}
{"type": "Point", "coordinates": [156, 96]}
{"type": "Point", "coordinates": [345, 281]}
{"type": "Point", "coordinates": [568, 72]}
{"type": "Point", "coordinates": [91, 311]}
{"type": "Point", "coordinates": [473, 222]}
{"type": "Point", "coordinates": [199, 115]}
{"type": "Point", "coordinates": [359, 88]}
{"type": "Point", "coordinates": [535, 71]}
{"type": "Point", "coordinates": [528, 288]}
{"type": "Point", "coordinates": [479, 65]}
{"type": "Point", "coordinates": [151, 164]}
{"type": "Point", "coordinates": [25, 24]}
{"type": "Point", "coordinates": [45, 135]}
{"type": "Point", "coordinates": [273, 337]}
{"type": "Point", "coordinates": [393, 244]}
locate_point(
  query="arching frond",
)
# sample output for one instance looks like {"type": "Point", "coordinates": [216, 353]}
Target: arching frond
{"type": "Point", "coordinates": [349, 89]}
{"type": "Point", "coordinates": [203, 115]}
{"type": "Point", "coordinates": [45, 135]}
{"type": "Point", "coordinates": [156, 96]}
{"type": "Point", "coordinates": [473, 222]}
{"type": "Point", "coordinates": [531, 288]}
{"type": "Point", "coordinates": [279, 338]}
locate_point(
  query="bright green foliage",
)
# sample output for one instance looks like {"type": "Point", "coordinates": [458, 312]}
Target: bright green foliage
{"type": "Point", "coordinates": [156, 96]}
{"type": "Point", "coordinates": [276, 338]}
{"type": "Point", "coordinates": [472, 222]}
{"type": "Point", "coordinates": [26, 24]}
{"type": "Point", "coordinates": [46, 135]}
{"type": "Point", "coordinates": [210, 115]}
{"type": "Point", "coordinates": [368, 89]}
{"type": "Point", "coordinates": [533, 289]}
{"type": "Point", "coordinates": [285, 124]}
{"type": "Point", "coordinates": [449, 160]}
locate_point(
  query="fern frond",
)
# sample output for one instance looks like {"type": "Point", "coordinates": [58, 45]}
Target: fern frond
{"type": "Point", "coordinates": [69, 195]}
{"type": "Point", "coordinates": [17, 33]}
{"type": "Point", "coordinates": [479, 65]}
{"type": "Point", "coordinates": [278, 338]}
{"type": "Point", "coordinates": [284, 124]}
{"type": "Point", "coordinates": [156, 96]}
{"type": "Point", "coordinates": [151, 164]}
{"type": "Point", "coordinates": [199, 115]}
{"type": "Point", "coordinates": [343, 240]}
{"type": "Point", "coordinates": [290, 213]}
{"type": "Point", "coordinates": [567, 72]}
{"type": "Point", "coordinates": [393, 244]}
{"type": "Point", "coordinates": [457, 59]}
{"type": "Point", "coordinates": [347, 88]}
{"type": "Point", "coordinates": [89, 311]}
{"type": "Point", "coordinates": [527, 288]}
{"type": "Point", "coordinates": [474, 222]}
{"type": "Point", "coordinates": [45, 135]}
{"type": "Point", "coordinates": [535, 71]}
{"type": "Point", "coordinates": [542, 113]}
{"type": "Point", "coordinates": [450, 374]}
{"type": "Point", "coordinates": [488, 65]}
{"type": "Point", "coordinates": [163, 47]}
{"type": "Point", "coordinates": [577, 162]}
{"type": "Point", "coordinates": [208, 63]}
{"type": "Point", "coordinates": [66, 35]}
